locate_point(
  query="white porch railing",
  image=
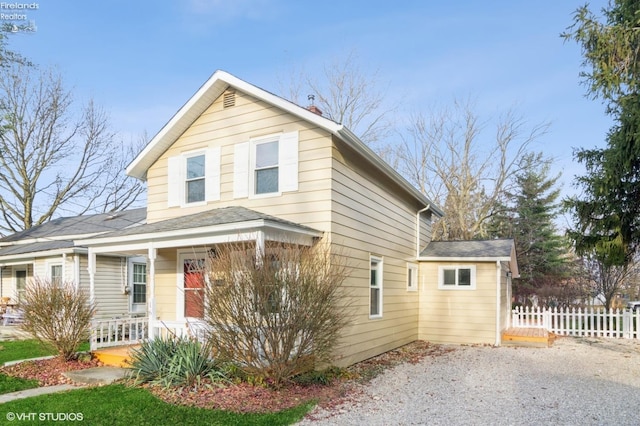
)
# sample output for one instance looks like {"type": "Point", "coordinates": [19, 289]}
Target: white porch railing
{"type": "Point", "coordinates": [587, 322]}
{"type": "Point", "coordinates": [118, 332]}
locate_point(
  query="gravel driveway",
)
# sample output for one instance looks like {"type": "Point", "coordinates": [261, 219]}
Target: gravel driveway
{"type": "Point", "coordinates": [578, 381]}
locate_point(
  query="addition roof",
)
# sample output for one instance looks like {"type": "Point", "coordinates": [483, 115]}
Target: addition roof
{"type": "Point", "coordinates": [214, 87]}
{"type": "Point", "coordinates": [474, 249]}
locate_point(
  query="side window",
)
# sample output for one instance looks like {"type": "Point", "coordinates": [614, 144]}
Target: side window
{"type": "Point", "coordinates": [457, 277]}
{"type": "Point", "coordinates": [139, 283]}
{"type": "Point", "coordinates": [412, 277]}
{"type": "Point", "coordinates": [375, 287]}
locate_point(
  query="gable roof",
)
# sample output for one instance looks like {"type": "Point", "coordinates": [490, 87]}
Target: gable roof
{"type": "Point", "coordinates": [79, 225]}
{"type": "Point", "coordinates": [213, 88]}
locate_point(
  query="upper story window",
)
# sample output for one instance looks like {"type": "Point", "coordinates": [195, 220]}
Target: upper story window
{"type": "Point", "coordinates": [195, 184]}
{"type": "Point", "coordinates": [266, 166]}
{"type": "Point", "coordinates": [193, 177]}
{"type": "Point", "coordinates": [457, 277]}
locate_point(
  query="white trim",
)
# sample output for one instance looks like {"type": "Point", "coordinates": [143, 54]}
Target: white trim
{"type": "Point", "coordinates": [456, 287]}
{"type": "Point", "coordinates": [463, 259]}
{"type": "Point", "coordinates": [254, 143]}
{"type": "Point", "coordinates": [17, 259]}
{"type": "Point", "coordinates": [49, 263]}
{"type": "Point", "coordinates": [14, 269]}
{"type": "Point", "coordinates": [137, 308]}
{"type": "Point", "coordinates": [380, 275]}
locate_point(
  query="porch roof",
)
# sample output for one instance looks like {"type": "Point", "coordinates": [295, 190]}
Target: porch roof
{"type": "Point", "coordinates": [229, 221]}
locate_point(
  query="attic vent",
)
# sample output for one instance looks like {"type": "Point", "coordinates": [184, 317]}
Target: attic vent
{"type": "Point", "coordinates": [229, 99]}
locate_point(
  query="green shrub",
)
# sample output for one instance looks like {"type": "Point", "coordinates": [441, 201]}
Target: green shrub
{"type": "Point", "coordinates": [174, 361]}
{"type": "Point", "coordinates": [58, 314]}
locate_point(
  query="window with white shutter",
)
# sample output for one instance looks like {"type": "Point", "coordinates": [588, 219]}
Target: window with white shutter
{"type": "Point", "coordinates": [193, 178]}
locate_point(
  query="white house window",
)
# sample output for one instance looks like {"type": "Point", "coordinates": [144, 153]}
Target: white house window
{"type": "Point", "coordinates": [266, 167]}
{"type": "Point", "coordinates": [412, 277]}
{"type": "Point", "coordinates": [457, 277]}
{"type": "Point", "coordinates": [375, 288]}
{"type": "Point", "coordinates": [195, 183]}
{"type": "Point", "coordinates": [193, 177]}
{"type": "Point", "coordinates": [139, 281]}
{"type": "Point", "coordinates": [56, 274]}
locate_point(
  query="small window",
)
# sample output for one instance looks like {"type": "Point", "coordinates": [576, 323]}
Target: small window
{"type": "Point", "coordinates": [412, 277]}
{"type": "Point", "coordinates": [21, 284]}
{"type": "Point", "coordinates": [266, 167]}
{"type": "Point", "coordinates": [375, 287]}
{"type": "Point", "coordinates": [195, 187]}
{"type": "Point", "coordinates": [56, 274]}
{"type": "Point", "coordinates": [139, 283]}
{"type": "Point", "coordinates": [457, 277]}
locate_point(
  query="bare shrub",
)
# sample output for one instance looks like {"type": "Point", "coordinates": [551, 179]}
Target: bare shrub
{"type": "Point", "coordinates": [279, 313]}
{"type": "Point", "coordinates": [58, 314]}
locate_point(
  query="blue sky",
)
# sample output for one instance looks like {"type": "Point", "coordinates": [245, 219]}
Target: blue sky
{"type": "Point", "coordinates": [141, 60]}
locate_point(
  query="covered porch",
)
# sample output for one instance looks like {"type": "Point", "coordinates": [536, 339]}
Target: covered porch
{"type": "Point", "coordinates": [172, 249]}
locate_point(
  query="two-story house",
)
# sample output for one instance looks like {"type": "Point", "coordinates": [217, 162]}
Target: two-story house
{"type": "Point", "coordinates": [238, 163]}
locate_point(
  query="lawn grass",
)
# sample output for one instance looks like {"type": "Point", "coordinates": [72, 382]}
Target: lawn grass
{"type": "Point", "coordinates": [14, 350]}
{"type": "Point", "coordinates": [121, 405]}
{"type": "Point", "coordinates": [14, 384]}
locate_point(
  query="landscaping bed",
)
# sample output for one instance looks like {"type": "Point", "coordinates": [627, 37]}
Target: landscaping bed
{"type": "Point", "coordinates": [244, 397]}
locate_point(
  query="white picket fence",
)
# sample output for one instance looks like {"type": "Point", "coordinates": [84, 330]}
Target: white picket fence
{"type": "Point", "coordinates": [587, 322]}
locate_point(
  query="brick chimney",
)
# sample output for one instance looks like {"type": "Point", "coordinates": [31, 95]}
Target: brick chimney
{"type": "Point", "coordinates": [314, 109]}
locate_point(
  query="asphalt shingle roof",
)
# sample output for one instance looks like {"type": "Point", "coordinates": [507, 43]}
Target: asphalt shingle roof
{"type": "Point", "coordinates": [221, 216]}
{"type": "Point", "coordinates": [79, 225]}
{"type": "Point", "coordinates": [474, 248]}
{"type": "Point", "coordinates": [35, 247]}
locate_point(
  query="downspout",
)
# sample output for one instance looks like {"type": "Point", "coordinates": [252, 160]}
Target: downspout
{"type": "Point", "coordinates": [418, 229]}
{"type": "Point", "coordinates": [498, 277]}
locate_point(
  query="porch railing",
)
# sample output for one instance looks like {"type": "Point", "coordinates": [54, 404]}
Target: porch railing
{"type": "Point", "coordinates": [587, 322]}
{"type": "Point", "coordinates": [118, 332]}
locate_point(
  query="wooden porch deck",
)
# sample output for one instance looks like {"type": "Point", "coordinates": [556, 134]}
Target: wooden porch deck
{"type": "Point", "coordinates": [118, 356]}
{"type": "Point", "coordinates": [528, 336]}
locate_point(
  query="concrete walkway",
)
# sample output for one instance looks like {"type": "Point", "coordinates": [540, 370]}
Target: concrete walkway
{"type": "Point", "coordinates": [12, 332]}
{"type": "Point", "coordinates": [96, 376]}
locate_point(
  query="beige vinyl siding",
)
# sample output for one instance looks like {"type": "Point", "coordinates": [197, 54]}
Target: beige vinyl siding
{"type": "Point", "coordinates": [85, 282]}
{"type": "Point", "coordinates": [165, 284]}
{"type": "Point", "coordinates": [371, 217]}
{"type": "Point", "coordinates": [458, 316]}
{"type": "Point", "coordinates": [250, 118]}
{"type": "Point", "coordinates": [42, 267]}
{"type": "Point", "coordinates": [110, 300]}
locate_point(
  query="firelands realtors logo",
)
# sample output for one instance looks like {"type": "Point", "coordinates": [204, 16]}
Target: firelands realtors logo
{"type": "Point", "coordinates": [16, 17]}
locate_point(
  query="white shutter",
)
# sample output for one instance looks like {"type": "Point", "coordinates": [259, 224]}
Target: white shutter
{"type": "Point", "coordinates": [288, 162]}
{"type": "Point", "coordinates": [212, 174]}
{"type": "Point", "coordinates": [175, 181]}
{"type": "Point", "coordinates": [241, 170]}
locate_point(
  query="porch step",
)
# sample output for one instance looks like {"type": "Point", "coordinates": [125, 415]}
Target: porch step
{"type": "Point", "coordinates": [118, 356]}
{"type": "Point", "coordinates": [530, 337]}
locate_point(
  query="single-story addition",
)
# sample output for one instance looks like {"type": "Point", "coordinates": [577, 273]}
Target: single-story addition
{"type": "Point", "coordinates": [47, 251]}
{"type": "Point", "coordinates": [238, 163]}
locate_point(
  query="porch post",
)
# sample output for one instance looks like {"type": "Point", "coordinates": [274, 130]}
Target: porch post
{"type": "Point", "coordinates": [151, 306]}
{"type": "Point", "coordinates": [91, 268]}
{"type": "Point", "coordinates": [259, 244]}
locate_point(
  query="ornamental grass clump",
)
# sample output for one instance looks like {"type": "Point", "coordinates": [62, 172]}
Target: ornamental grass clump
{"type": "Point", "coordinates": [58, 314]}
{"type": "Point", "coordinates": [174, 361]}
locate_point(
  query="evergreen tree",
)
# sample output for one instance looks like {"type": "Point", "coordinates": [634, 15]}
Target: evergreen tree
{"type": "Point", "coordinates": [540, 249]}
{"type": "Point", "coordinates": [607, 214]}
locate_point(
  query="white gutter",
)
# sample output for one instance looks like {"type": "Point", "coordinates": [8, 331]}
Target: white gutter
{"type": "Point", "coordinates": [418, 229]}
